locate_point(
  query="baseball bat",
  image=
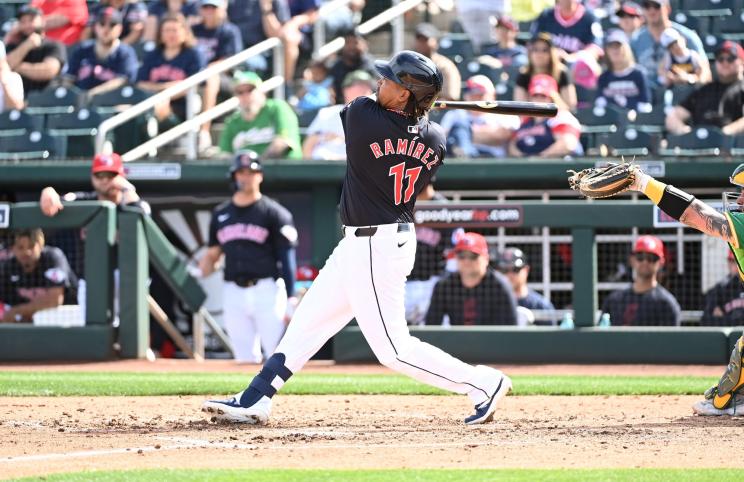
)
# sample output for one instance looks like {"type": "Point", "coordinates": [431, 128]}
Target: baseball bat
{"type": "Point", "coordinates": [509, 107]}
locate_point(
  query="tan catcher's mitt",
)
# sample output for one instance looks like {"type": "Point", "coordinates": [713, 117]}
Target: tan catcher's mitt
{"type": "Point", "coordinates": [599, 182]}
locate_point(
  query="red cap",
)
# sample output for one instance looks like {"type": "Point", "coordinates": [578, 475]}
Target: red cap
{"type": "Point", "coordinates": [543, 84]}
{"type": "Point", "coordinates": [649, 244]}
{"type": "Point", "coordinates": [107, 163]}
{"type": "Point", "coordinates": [480, 84]}
{"type": "Point", "coordinates": [473, 242]}
{"type": "Point", "coordinates": [732, 48]}
{"type": "Point", "coordinates": [306, 273]}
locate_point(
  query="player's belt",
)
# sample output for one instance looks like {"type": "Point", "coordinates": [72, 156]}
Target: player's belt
{"type": "Point", "coordinates": [247, 282]}
{"type": "Point", "coordinates": [371, 230]}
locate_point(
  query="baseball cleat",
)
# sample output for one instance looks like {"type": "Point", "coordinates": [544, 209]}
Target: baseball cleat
{"type": "Point", "coordinates": [484, 411]}
{"type": "Point", "coordinates": [706, 408]}
{"type": "Point", "coordinates": [230, 411]}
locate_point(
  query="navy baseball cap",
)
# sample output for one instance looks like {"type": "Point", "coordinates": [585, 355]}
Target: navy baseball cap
{"type": "Point", "coordinates": [511, 259]}
{"type": "Point", "coordinates": [246, 160]}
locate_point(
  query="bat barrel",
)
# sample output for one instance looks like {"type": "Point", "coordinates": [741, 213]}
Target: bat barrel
{"type": "Point", "coordinates": [511, 107]}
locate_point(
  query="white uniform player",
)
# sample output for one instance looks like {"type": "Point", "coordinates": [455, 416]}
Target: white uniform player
{"type": "Point", "coordinates": [392, 150]}
{"type": "Point", "coordinates": [257, 236]}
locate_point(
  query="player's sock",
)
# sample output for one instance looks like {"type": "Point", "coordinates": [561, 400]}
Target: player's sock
{"type": "Point", "coordinates": [271, 378]}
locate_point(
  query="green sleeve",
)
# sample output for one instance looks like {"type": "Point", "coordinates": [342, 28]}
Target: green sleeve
{"type": "Point", "coordinates": [736, 220]}
{"type": "Point", "coordinates": [288, 128]}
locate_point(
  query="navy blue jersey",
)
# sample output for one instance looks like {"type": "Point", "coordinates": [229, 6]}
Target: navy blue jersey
{"type": "Point", "coordinates": [511, 56]}
{"type": "Point", "coordinates": [132, 13]}
{"type": "Point", "coordinates": [52, 270]}
{"type": "Point", "coordinates": [297, 7]}
{"type": "Point", "coordinates": [391, 158]}
{"type": "Point", "coordinates": [656, 307]}
{"type": "Point", "coordinates": [156, 68]}
{"type": "Point", "coordinates": [535, 135]}
{"type": "Point", "coordinates": [724, 304]}
{"type": "Point", "coordinates": [626, 89]}
{"type": "Point", "coordinates": [219, 43]}
{"type": "Point", "coordinates": [252, 237]}
{"type": "Point", "coordinates": [246, 14]}
{"type": "Point", "coordinates": [188, 9]}
{"type": "Point", "coordinates": [535, 301]}
{"type": "Point", "coordinates": [571, 35]}
{"type": "Point", "coordinates": [90, 71]}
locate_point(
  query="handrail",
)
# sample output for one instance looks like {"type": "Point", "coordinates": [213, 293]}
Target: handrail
{"type": "Point", "coordinates": [319, 28]}
{"type": "Point", "coordinates": [370, 25]}
{"type": "Point", "coordinates": [186, 126]}
{"type": "Point", "coordinates": [182, 86]}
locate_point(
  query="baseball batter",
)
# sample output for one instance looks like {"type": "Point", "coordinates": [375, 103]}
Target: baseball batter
{"type": "Point", "coordinates": [257, 236]}
{"type": "Point", "coordinates": [392, 150]}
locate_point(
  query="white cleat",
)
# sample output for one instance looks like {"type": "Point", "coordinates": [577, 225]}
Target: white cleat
{"type": "Point", "coordinates": [230, 411]}
{"type": "Point", "coordinates": [706, 409]}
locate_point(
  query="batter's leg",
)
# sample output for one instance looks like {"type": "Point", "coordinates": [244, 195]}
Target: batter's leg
{"type": "Point", "coordinates": [269, 308]}
{"type": "Point", "coordinates": [236, 311]}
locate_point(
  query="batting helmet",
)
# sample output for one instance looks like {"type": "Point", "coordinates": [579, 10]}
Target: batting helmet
{"type": "Point", "coordinates": [737, 177]}
{"type": "Point", "coordinates": [244, 160]}
{"type": "Point", "coordinates": [418, 74]}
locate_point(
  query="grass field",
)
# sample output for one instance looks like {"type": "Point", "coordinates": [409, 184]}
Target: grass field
{"type": "Point", "coordinates": [25, 384]}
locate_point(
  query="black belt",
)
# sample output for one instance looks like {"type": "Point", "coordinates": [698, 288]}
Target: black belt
{"type": "Point", "coordinates": [246, 282]}
{"type": "Point", "coordinates": [370, 231]}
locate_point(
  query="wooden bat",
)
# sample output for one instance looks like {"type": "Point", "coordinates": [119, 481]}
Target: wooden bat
{"type": "Point", "coordinates": [509, 107]}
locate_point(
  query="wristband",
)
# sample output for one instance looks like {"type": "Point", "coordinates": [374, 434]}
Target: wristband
{"type": "Point", "coordinates": [653, 189]}
{"type": "Point", "coordinates": [674, 201]}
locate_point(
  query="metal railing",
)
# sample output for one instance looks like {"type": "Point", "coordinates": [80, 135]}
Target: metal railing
{"type": "Point", "coordinates": [190, 84]}
{"type": "Point", "coordinates": [319, 31]}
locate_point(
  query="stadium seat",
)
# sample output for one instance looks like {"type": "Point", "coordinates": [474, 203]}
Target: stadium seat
{"type": "Point", "coordinates": [34, 145]}
{"type": "Point", "coordinates": [17, 122]}
{"type": "Point", "coordinates": [505, 91]}
{"type": "Point", "coordinates": [696, 24]}
{"type": "Point", "coordinates": [78, 128]}
{"type": "Point", "coordinates": [111, 101]}
{"type": "Point", "coordinates": [457, 47]}
{"type": "Point", "coordinates": [650, 122]}
{"type": "Point", "coordinates": [473, 67]}
{"type": "Point", "coordinates": [54, 100]}
{"type": "Point", "coordinates": [680, 92]}
{"type": "Point", "coordinates": [711, 43]}
{"type": "Point", "coordinates": [730, 27]}
{"type": "Point", "coordinates": [601, 120]}
{"type": "Point", "coordinates": [710, 8]}
{"type": "Point", "coordinates": [625, 142]}
{"type": "Point", "coordinates": [702, 141]}
{"type": "Point", "coordinates": [585, 97]}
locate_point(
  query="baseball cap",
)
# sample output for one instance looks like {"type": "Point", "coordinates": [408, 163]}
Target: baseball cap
{"type": "Point", "coordinates": [107, 163]}
{"type": "Point", "coordinates": [649, 244]}
{"type": "Point", "coordinates": [664, 3]}
{"type": "Point", "coordinates": [629, 9]}
{"type": "Point", "coordinates": [669, 36]}
{"type": "Point", "coordinates": [427, 30]}
{"type": "Point", "coordinates": [511, 258]}
{"type": "Point", "coordinates": [246, 160]}
{"type": "Point", "coordinates": [473, 242]}
{"type": "Point", "coordinates": [542, 84]}
{"type": "Point", "coordinates": [358, 76]}
{"type": "Point", "coordinates": [212, 3]}
{"type": "Point", "coordinates": [504, 21]}
{"type": "Point", "coordinates": [111, 14]}
{"type": "Point", "coordinates": [732, 48]}
{"type": "Point", "coordinates": [28, 10]}
{"type": "Point", "coordinates": [617, 36]}
{"type": "Point", "coordinates": [479, 84]}
{"type": "Point", "coordinates": [243, 78]}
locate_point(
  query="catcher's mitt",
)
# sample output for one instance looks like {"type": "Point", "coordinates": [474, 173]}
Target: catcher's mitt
{"type": "Point", "coordinates": [599, 182]}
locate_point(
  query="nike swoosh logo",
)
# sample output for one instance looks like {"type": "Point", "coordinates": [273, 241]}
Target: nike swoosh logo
{"type": "Point", "coordinates": [400, 245]}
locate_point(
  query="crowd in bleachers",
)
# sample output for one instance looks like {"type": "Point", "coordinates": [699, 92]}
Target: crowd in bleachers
{"type": "Point", "coordinates": [629, 78]}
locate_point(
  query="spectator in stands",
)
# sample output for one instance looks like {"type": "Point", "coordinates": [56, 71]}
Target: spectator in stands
{"type": "Point", "coordinates": [623, 84]}
{"type": "Point", "coordinates": [717, 103]}
{"type": "Point", "coordinates": [646, 44]}
{"type": "Point", "coordinates": [543, 59]}
{"type": "Point", "coordinates": [506, 52]}
{"type": "Point", "coordinates": [264, 125]}
{"type": "Point", "coordinates": [575, 31]}
{"type": "Point", "coordinates": [158, 10]}
{"type": "Point", "coordinates": [645, 302]}
{"type": "Point", "coordinates": [174, 59]}
{"type": "Point", "coordinates": [680, 65]}
{"type": "Point", "coordinates": [474, 17]}
{"type": "Point", "coordinates": [11, 85]}
{"type": "Point", "coordinates": [133, 14]}
{"type": "Point", "coordinates": [630, 18]}
{"type": "Point", "coordinates": [35, 278]}
{"type": "Point", "coordinates": [353, 56]}
{"type": "Point", "coordinates": [105, 63]}
{"type": "Point", "coordinates": [724, 302]}
{"type": "Point", "coordinates": [218, 39]}
{"type": "Point", "coordinates": [297, 33]}
{"type": "Point", "coordinates": [35, 58]}
{"type": "Point", "coordinates": [317, 87]}
{"type": "Point", "coordinates": [513, 264]}
{"type": "Point", "coordinates": [64, 20]}
{"type": "Point", "coordinates": [476, 294]}
{"type": "Point", "coordinates": [473, 134]}
{"type": "Point", "coordinates": [258, 20]}
{"type": "Point", "coordinates": [546, 137]}
{"type": "Point", "coordinates": [426, 43]}
{"type": "Point", "coordinates": [325, 135]}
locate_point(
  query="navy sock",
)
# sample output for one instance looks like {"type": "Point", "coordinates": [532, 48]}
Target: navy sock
{"type": "Point", "coordinates": [261, 386]}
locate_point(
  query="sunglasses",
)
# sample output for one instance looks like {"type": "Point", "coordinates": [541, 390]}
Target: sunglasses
{"type": "Point", "coordinates": [513, 269]}
{"type": "Point", "coordinates": [244, 90]}
{"type": "Point", "coordinates": [725, 59]}
{"type": "Point", "coordinates": [649, 257]}
{"type": "Point", "coordinates": [104, 175]}
{"type": "Point", "coordinates": [540, 50]}
{"type": "Point", "coordinates": [467, 255]}
{"type": "Point", "coordinates": [651, 5]}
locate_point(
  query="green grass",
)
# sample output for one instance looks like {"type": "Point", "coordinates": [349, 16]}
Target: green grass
{"type": "Point", "coordinates": [448, 475]}
{"type": "Point", "coordinates": [136, 384]}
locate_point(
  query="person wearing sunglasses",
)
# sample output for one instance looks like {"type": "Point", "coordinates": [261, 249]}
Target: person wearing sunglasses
{"type": "Point", "coordinates": [476, 294]}
{"type": "Point", "coordinates": [645, 302]}
{"type": "Point", "coordinates": [512, 263]}
{"type": "Point", "coordinates": [718, 103]}
{"type": "Point", "coordinates": [543, 58]}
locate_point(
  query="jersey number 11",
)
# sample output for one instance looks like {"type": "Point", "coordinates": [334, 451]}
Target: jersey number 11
{"type": "Point", "coordinates": [398, 172]}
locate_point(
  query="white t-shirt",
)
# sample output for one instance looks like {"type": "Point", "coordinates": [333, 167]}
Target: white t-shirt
{"type": "Point", "coordinates": [327, 124]}
{"type": "Point", "coordinates": [15, 83]}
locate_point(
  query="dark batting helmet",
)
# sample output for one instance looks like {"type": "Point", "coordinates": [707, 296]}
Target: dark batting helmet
{"type": "Point", "coordinates": [418, 74]}
{"type": "Point", "coordinates": [244, 160]}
